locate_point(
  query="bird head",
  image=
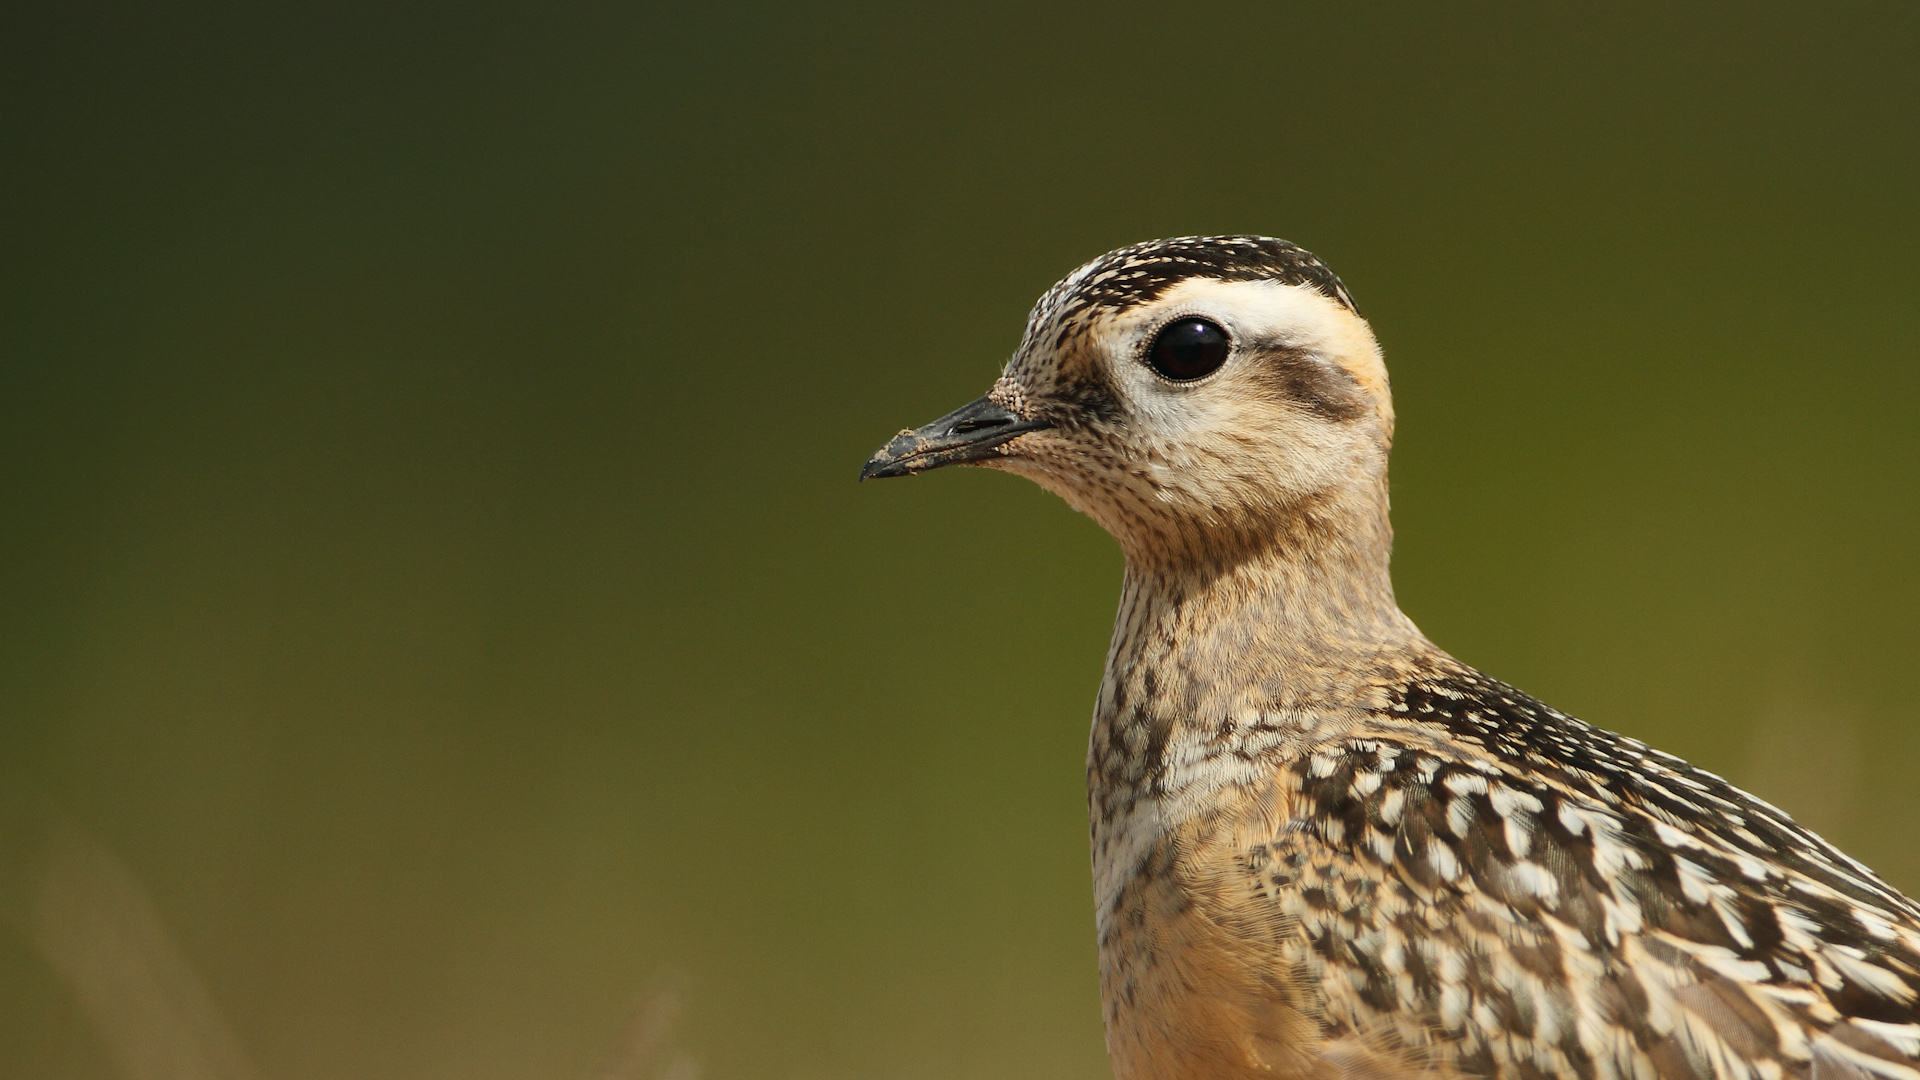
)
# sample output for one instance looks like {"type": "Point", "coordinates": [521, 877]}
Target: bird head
{"type": "Point", "coordinates": [1197, 397]}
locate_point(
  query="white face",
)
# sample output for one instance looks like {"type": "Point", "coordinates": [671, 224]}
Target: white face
{"type": "Point", "coordinates": [1296, 410]}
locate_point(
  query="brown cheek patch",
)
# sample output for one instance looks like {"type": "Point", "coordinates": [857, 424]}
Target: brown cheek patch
{"type": "Point", "coordinates": [1302, 378]}
{"type": "Point", "coordinates": [1081, 382]}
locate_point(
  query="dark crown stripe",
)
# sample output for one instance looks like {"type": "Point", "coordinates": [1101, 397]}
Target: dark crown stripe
{"type": "Point", "coordinates": [1142, 272]}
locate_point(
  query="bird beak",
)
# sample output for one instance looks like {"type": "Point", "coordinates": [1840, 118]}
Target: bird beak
{"type": "Point", "coordinates": [974, 431]}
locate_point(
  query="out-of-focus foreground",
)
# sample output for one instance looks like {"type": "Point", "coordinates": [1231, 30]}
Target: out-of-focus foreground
{"type": "Point", "coordinates": [435, 605]}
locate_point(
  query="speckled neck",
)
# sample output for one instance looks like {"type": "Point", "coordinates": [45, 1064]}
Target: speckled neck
{"type": "Point", "coordinates": [1268, 635]}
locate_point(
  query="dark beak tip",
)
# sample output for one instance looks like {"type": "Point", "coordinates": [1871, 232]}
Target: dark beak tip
{"type": "Point", "coordinates": [891, 459]}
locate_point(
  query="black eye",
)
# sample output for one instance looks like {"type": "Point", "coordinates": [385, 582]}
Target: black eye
{"type": "Point", "coordinates": [1189, 349]}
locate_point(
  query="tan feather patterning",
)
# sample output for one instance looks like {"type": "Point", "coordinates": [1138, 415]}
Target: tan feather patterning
{"type": "Point", "coordinates": [1324, 849]}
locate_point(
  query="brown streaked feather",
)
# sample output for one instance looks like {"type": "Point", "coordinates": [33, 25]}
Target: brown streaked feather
{"type": "Point", "coordinates": [1429, 904]}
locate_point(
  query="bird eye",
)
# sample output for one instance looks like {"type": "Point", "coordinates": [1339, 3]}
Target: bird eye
{"type": "Point", "coordinates": [1189, 349]}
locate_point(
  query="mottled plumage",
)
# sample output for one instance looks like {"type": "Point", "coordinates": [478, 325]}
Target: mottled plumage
{"type": "Point", "coordinates": [1323, 848]}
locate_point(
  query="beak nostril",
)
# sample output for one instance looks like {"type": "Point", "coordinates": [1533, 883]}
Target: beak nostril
{"type": "Point", "coordinates": [966, 426]}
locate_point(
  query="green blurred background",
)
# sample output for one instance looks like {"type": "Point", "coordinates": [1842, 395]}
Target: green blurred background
{"type": "Point", "coordinates": [430, 558]}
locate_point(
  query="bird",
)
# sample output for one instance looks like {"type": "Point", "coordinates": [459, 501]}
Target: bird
{"type": "Point", "coordinates": [1322, 847]}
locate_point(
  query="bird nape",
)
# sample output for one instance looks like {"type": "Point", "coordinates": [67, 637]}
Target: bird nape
{"type": "Point", "coordinates": [1322, 847]}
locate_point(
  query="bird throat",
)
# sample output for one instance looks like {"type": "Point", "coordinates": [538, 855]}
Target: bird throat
{"type": "Point", "coordinates": [1219, 669]}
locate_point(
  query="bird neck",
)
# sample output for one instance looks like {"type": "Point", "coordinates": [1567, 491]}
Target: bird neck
{"type": "Point", "coordinates": [1300, 588]}
{"type": "Point", "coordinates": [1205, 647]}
